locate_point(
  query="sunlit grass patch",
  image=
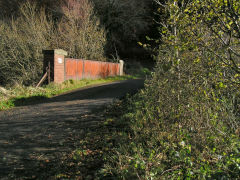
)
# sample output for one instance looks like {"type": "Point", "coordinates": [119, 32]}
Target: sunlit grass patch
{"type": "Point", "coordinates": [21, 95]}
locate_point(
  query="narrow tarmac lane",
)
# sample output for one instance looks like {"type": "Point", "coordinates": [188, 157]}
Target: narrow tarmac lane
{"type": "Point", "coordinates": [45, 131]}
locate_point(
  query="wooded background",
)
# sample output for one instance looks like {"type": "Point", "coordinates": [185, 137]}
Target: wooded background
{"type": "Point", "coordinates": [98, 30]}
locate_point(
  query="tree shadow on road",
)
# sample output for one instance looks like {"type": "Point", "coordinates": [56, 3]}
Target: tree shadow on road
{"type": "Point", "coordinates": [57, 162]}
{"type": "Point", "coordinates": [66, 139]}
{"type": "Point", "coordinates": [90, 149]}
{"type": "Point", "coordinates": [84, 160]}
{"type": "Point", "coordinates": [92, 92]}
{"type": "Point", "coordinates": [25, 101]}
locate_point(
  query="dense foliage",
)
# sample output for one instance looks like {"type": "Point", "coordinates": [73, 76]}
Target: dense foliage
{"type": "Point", "coordinates": [127, 22]}
{"type": "Point", "coordinates": [185, 123]}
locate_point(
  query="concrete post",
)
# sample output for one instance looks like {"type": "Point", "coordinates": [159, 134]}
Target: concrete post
{"type": "Point", "coordinates": [121, 62]}
{"type": "Point", "coordinates": [56, 60]}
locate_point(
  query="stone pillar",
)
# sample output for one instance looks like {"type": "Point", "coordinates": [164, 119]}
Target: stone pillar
{"type": "Point", "coordinates": [121, 62]}
{"type": "Point", "coordinates": [56, 60]}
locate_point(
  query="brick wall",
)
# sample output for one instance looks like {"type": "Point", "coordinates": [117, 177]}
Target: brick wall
{"type": "Point", "coordinates": [87, 69]}
{"type": "Point", "coordinates": [59, 68]}
{"type": "Point", "coordinates": [68, 68]}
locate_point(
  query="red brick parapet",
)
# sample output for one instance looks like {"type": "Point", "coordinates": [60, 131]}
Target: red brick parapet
{"type": "Point", "coordinates": [56, 59]}
{"type": "Point", "coordinates": [62, 68]}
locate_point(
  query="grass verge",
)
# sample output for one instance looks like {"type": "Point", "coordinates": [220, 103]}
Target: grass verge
{"type": "Point", "coordinates": [20, 95]}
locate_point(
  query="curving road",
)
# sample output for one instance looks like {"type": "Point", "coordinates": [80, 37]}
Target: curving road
{"type": "Point", "coordinates": [45, 131]}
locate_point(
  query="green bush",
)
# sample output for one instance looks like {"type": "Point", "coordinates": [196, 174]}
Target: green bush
{"type": "Point", "coordinates": [177, 130]}
{"type": "Point", "coordinates": [185, 123]}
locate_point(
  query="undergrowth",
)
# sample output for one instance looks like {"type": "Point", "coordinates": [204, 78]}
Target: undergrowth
{"type": "Point", "coordinates": [155, 150]}
{"type": "Point", "coordinates": [185, 128]}
{"type": "Point", "coordinates": [131, 144]}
